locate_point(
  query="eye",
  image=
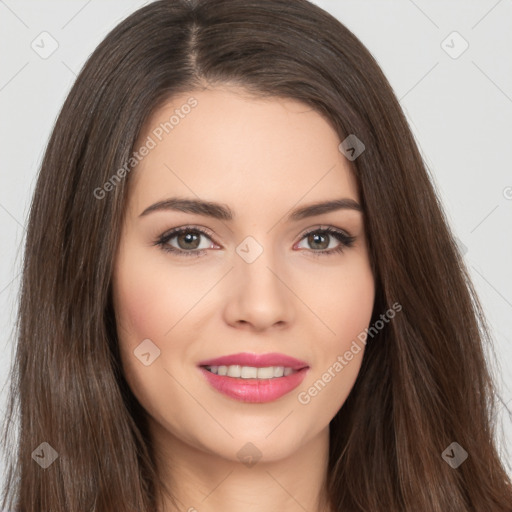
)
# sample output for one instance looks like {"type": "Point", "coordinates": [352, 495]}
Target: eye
{"type": "Point", "coordinates": [319, 238]}
{"type": "Point", "coordinates": [188, 240]}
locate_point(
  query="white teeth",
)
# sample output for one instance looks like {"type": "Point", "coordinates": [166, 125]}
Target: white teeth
{"type": "Point", "coordinates": [233, 371]}
{"type": "Point", "coordinates": [265, 373]}
{"type": "Point", "coordinates": [278, 371]}
{"type": "Point", "coordinates": [251, 372]}
{"type": "Point", "coordinates": [248, 372]}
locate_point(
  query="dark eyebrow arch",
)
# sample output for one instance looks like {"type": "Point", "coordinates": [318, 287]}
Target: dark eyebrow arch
{"type": "Point", "coordinates": [223, 212]}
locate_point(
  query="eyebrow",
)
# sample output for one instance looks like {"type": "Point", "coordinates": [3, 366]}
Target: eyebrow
{"type": "Point", "coordinates": [223, 212]}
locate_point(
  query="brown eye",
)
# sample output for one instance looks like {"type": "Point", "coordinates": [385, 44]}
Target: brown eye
{"type": "Point", "coordinates": [188, 241]}
{"type": "Point", "coordinates": [320, 239]}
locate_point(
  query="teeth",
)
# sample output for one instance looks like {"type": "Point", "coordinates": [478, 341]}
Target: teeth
{"type": "Point", "coordinates": [250, 372]}
{"type": "Point", "coordinates": [233, 371]}
{"type": "Point", "coordinates": [263, 373]}
{"type": "Point", "coordinates": [278, 371]}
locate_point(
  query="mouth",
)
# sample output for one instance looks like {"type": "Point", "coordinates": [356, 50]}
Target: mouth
{"type": "Point", "coordinates": [251, 372]}
{"type": "Point", "coordinates": [248, 361]}
{"type": "Point", "coordinates": [254, 378]}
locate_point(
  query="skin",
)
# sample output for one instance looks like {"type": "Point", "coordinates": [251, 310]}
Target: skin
{"type": "Point", "coordinates": [262, 158]}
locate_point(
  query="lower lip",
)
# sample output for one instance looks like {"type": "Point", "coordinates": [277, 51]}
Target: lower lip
{"type": "Point", "coordinates": [255, 390]}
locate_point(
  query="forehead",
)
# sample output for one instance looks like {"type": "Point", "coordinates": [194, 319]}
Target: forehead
{"type": "Point", "coordinates": [241, 150]}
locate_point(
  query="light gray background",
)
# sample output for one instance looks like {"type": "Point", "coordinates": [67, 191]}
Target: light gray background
{"type": "Point", "coordinates": [460, 110]}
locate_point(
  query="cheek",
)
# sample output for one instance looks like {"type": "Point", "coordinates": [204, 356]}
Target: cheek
{"type": "Point", "coordinates": [144, 306]}
{"type": "Point", "coordinates": [152, 300]}
{"type": "Point", "coordinates": [345, 306]}
{"type": "Point", "coordinates": [354, 301]}
{"type": "Point", "coordinates": [344, 301]}
{"type": "Point", "coordinates": [139, 304]}
{"type": "Point", "coordinates": [148, 301]}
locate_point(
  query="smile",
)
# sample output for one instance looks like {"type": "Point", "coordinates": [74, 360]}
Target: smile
{"type": "Point", "coordinates": [251, 372]}
{"type": "Point", "coordinates": [254, 389]}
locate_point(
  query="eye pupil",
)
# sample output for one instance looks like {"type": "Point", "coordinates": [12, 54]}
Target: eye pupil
{"type": "Point", "coordinates": [188, 238]}
{"type": "Point", "coordinates": [313, 239]}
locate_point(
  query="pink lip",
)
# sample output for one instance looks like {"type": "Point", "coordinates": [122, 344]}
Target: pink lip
{"type": "Point", "coordinates": [256, 360]}
{"type": "Point", "coordinates": [255, 390]}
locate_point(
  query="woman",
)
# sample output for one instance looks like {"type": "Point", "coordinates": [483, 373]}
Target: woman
{"type": "Point", "coordinates": [239, 286]}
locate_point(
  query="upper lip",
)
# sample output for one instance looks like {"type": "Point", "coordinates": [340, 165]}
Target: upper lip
{"type": "Point", "coordinates": [256, 360]}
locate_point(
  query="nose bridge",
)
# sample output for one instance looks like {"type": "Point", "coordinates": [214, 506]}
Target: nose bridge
{"type": "Point", "coordinates": [261, 296]}
{"type": "Point", "coordinates": [257, 265]}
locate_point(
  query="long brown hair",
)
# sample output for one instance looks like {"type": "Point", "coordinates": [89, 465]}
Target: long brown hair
{"type": "Point", "coordinates": [424, 381]}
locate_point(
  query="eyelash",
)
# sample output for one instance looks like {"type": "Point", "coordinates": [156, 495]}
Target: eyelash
{"type": "Point", "coordinates": [346, 241]}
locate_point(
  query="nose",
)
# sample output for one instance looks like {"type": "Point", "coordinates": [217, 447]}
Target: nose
{"type": "Point", "coordinates": [258, 295]}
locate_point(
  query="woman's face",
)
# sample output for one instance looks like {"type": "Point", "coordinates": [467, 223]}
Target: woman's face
{"type": "Point", "coordinates": [265, 280]}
